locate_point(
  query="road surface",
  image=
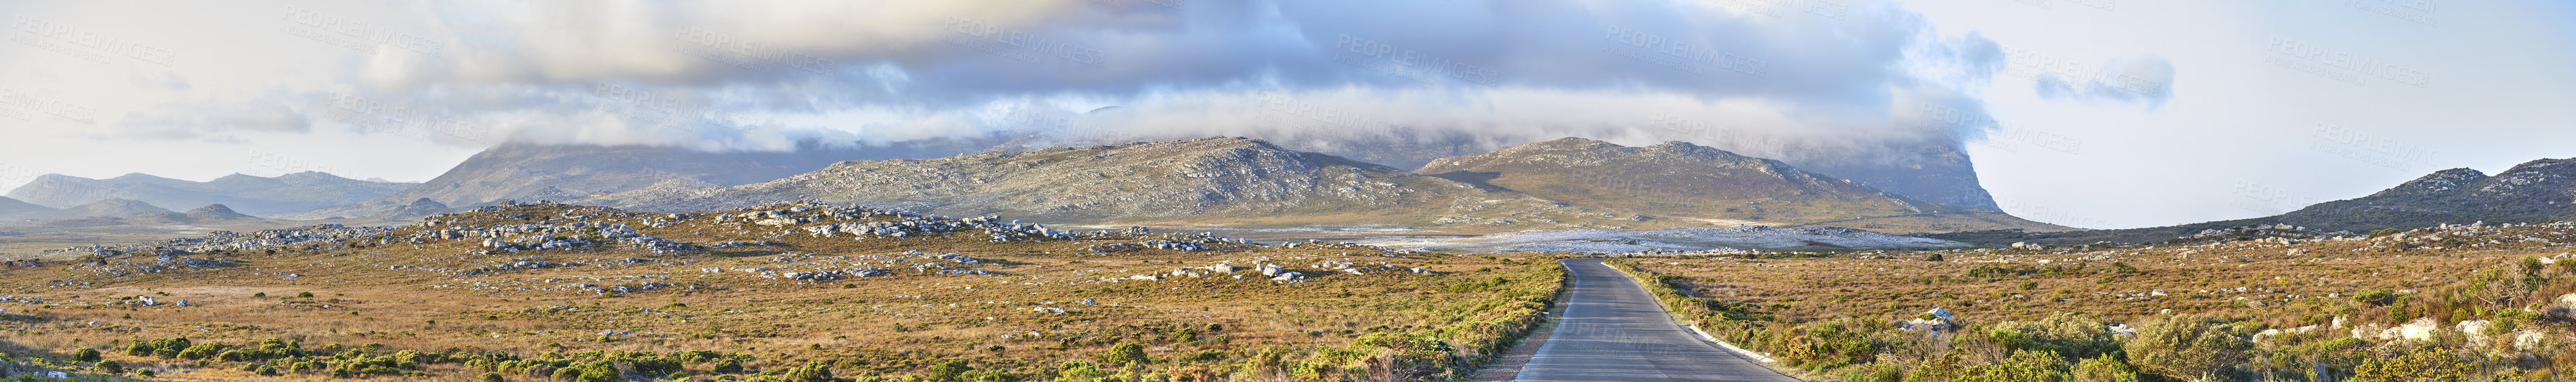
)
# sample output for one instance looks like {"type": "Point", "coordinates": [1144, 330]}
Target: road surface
{"type": "Point", "coordinates": [1614, 331]}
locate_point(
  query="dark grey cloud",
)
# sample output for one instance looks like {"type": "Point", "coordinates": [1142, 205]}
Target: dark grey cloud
{"type": "Point", "coordinates": [1862, 71]}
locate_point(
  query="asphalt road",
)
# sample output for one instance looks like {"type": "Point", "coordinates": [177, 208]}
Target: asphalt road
{"type": "Point", "coordinates": [1614, 331]}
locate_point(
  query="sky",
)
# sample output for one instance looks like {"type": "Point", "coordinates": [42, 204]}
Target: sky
{"type": "Point", "coordinates": [2089, 113]}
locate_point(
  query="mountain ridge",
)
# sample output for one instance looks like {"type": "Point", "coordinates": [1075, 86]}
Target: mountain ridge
{"type": "Point", "coordinates": [1243, 182]}
{"type": "Point", "coordinates": [536, 171]}
{"type": "Point", "coordinates": [287, 193]}
{"type": "Point", "coordinates": [2537, 191]}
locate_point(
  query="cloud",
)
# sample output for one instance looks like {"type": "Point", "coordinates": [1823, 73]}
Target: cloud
{"type": "Point", "coordinates": [207, 119]}
{"type": "Point", "coordinates": [764, 75]}
{"type": "Point", "coordinates": [756, 75]}
{"type": "Point", "coordinates": [2144, 80]}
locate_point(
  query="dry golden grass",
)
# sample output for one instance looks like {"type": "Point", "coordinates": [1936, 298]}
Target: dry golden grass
{"type": "Point", "coordinates": [2028, 284]}
{"type": "Point", "coordinates": [407, 296]}
{"type": "Point", "coordinates": [2470, 302]}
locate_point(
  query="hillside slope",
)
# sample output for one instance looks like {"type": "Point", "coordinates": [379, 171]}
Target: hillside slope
{"type": "Point", "coordinates": [1250, 183]}
{"type": "Point", "coordinates": [10, 206]}
{"type": "Point", "coordinates": [2538, 191]}
{"type": "Point", "coordinates": [1687, 181]}
{"type": "Point", "coordinates": [565, 172]}
{"type": "Point", "coordinates": [1213, 181]}
{"type": "Point", "coordinates": [1931, 170]}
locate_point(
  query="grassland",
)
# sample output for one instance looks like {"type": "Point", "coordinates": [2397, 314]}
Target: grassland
{"type": "Point", "coordinates": [687, 296]}
{"type": "Point", "coordinates": [801, 292]}
{"type": "Point", "coordinates": [2463, 303]}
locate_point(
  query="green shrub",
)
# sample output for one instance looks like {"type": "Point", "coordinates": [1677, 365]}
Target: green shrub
{"type": "Point", "coordinates": [949, 371]}
{"type": "Point", "coordinates": [2104, 369]}
{"type": "Point", "coordinates": [1080, 371]}
{"type": "Point", "coordinates": [2190, 347]}
{"type": "Point", "coordinates": [109, 367]}
{"type": "Point", "coordinates": [817, 371]}
{"type": "Point", "coordinates": [1124, 353]}
{"type": "Point", "coordinates": [2067, 334]}
{"type": "Point", "coordinates": [85, 355]}
{"type": "Point", "coordinates": [2022, 366]}
{"type": "Point", "coordinates": [2376, 297]}
{"type": "Point", "coordinates": [2419, 364]}
{"type": "Point", "coordinates": [202, 351]}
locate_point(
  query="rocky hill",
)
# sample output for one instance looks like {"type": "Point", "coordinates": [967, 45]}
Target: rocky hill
{"type": "Point", "coordinates": [216, 212]}
{"type": "Point", "coordinates": [2538, 191]}
{"type": "Point", "coordinates": [1935, 171]}
{"type": "Point", "coordinates": [1214, 181]}
{"type": "Point", "coordinates": [1673, 179]}
{"type": "Point", "coordinates": [1250, 183]}
{"type": "Point", "coordinates": [251, 194]}
{"type": "Point", "coordinates": [565, 172]}
{"type": "Point", "coordinates": [1687, 181]}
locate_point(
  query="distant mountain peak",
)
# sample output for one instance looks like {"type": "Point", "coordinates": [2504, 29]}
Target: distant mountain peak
{"type": "Point", "coordinates": [1246, 182]}
{"type": "Point", "coordinates": [522, 170]}
{"type": "Point", "coordinates": [142, 177]}
{"type": "Point", "coordinates": [248, 193]}
{"type": "Point", "coordinates": [216, 212]}
{"type": "Point", "coordinates": [2532, 192]}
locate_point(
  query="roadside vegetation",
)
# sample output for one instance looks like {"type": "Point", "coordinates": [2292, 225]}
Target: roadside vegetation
{"type": "Point", "coordinates": [2450, 303]}
{"type": "Point", "coordinates": [568, 296]}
